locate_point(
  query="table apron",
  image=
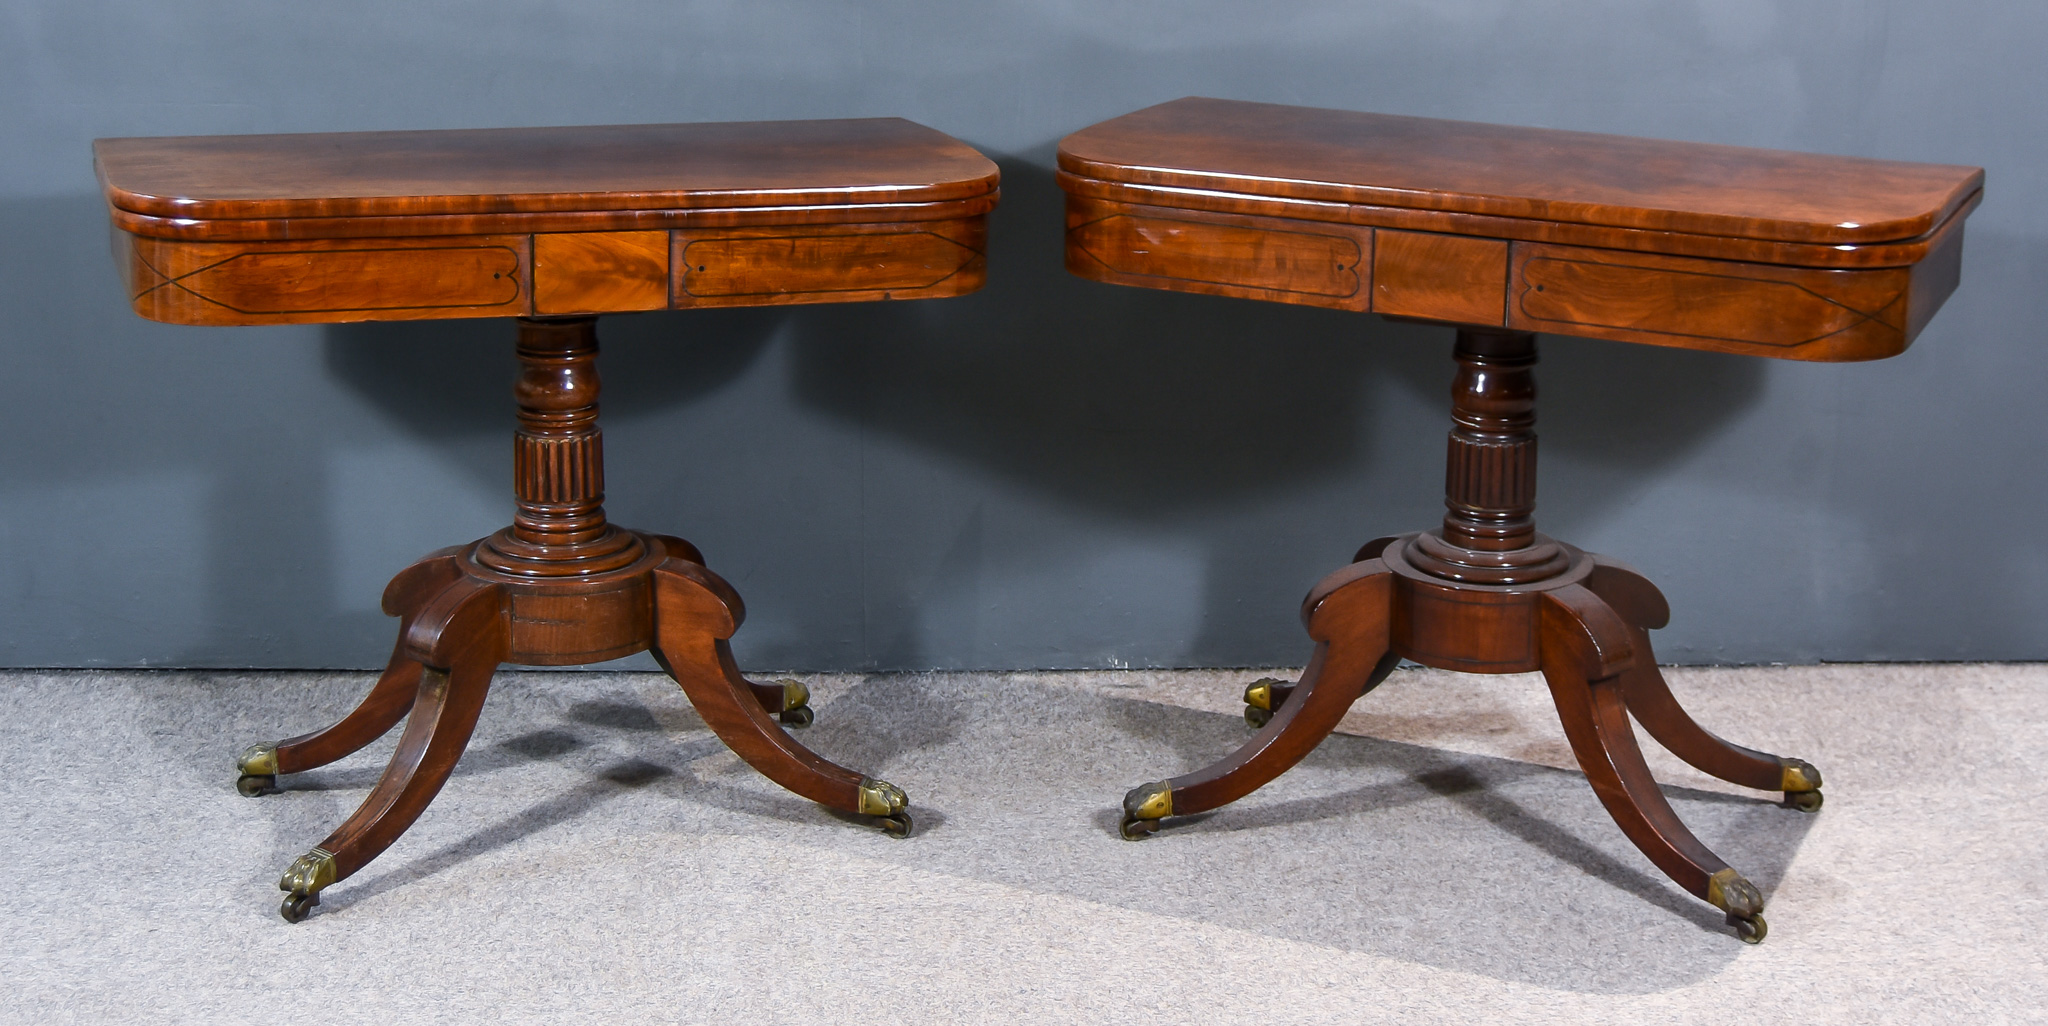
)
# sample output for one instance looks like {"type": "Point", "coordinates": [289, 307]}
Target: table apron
{"type": "Point", "coordinates": [547, 274]}
{"type": "Point", "coordinates": [1733, 306]}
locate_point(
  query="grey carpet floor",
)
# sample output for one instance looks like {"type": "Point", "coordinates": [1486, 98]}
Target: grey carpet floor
{"type": "Point", "coordinates": [599, 857]}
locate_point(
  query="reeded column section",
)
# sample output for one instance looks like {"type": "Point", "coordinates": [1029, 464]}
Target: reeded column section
{"type": "Point", "coordinates": [1489, 533]}
{"type": "Point", "coordinates": [559, 528]}
{"type": "Point", "coordinates": [1490, 471]}
{"type": "Point", "coordinates": [557, 472]}
{"type": "Point", "coordinates": [558, 451]}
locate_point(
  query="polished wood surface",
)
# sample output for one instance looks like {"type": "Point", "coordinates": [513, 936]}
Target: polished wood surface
{"type": "Point", "coordinates": [1756, 252]}
{"type": "Point", "coordinates": [548, 274]}
{"type": "Point", "coordinates": [587, 272]}
{"type": "Point", "coordinates": [283, 230]}
{"type": "Point", "coordinates": [1897, 253]}
{"type": "Point", "coordinates": [1502, 233]}
{"type": "Point", "coordinates": [1438, 277]}
{"type": "Point", "coordinates": [1348, 157]}
{"type": "Point", "coordinates": [545, 254]}
{"type": "Point", "coordinates": [828, 263]}
{"type": "Point", "coordinates": [1792, 311]}
{"type": "Point", "coordinates": [1222, 254]}
{"type": "Point", "coordinates": [1799, 313]}
{"type": "Point", "coordinates": [295, 229]}
{"type": "Point", "coordinates": [749, 164]}
{"type": "Point", "coordinates": [321, 281]}
{"type": "Point", "coordinates": [552, 226]}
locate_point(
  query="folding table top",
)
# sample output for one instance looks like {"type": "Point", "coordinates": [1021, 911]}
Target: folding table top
{"type": "Point", "coordinates": [611, 175]}
{"type": "Point", "coordinates": [1762, 252]}
{"type": "Point", "coordinates": [538, 222]}
{"type": "Point", "coordinates": [1277, 152]}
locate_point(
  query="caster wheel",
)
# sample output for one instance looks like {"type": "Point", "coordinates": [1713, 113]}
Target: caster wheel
{"type": "Point", "coordinates": [1257, 718]}
{"type": "Point", "coordinates": [1804, 801]}
{"type": "Point", "coordinates": [297, 907]}
{"type": "Point", "coordinates": [897, 826]}
{"type": "Point", "coordinates": [798, 717]}
{"type": "Point", "coordinates": [254, 785]}
{"type": "Point", "coordinates": [1752, 929]}
{"type": "Point", "coordinates": [1135, 829]}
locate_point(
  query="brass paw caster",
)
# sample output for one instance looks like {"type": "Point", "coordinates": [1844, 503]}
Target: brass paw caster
{"type": "Point", "coordinates": [1144, 806]}
{"type": "Point", "coordinates": [302, 883]}
{"type": "Point", "coordinates": [888, 804]}
{"type": "Point", "coordinates": [796, 708]}
{"type": "Point", "coordinates": [258, 764]}
{"type": "Point", "coordinates": [1259, 700]}
{"type": "Point", "coordinates": [1801, 784]}
{"type": "Point", "coordinates": [1729, 892]}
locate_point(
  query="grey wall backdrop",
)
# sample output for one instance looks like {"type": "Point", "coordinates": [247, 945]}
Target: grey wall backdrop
{"type": "Point", "coordinates": [1051, 473]}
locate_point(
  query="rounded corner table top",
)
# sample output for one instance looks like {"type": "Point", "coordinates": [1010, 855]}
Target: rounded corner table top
{"type": "Point", "coordinates": [1689, 245]}
{"type": "Point", "coordinates": [1307, 153]}
{"type": "Point", "coordinates": [538, 222]}
{"type": "Point", "coordinates": [514, 170]}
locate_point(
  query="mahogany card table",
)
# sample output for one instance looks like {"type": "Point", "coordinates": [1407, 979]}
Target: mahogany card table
{"type": "Point", "coordinates": [1504, 232]}
{"type": "Point", "coordinates": [552, 227]}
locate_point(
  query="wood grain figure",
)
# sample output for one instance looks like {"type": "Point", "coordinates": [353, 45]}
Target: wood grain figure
{"type": "Point", "coordinates": [587, 272]}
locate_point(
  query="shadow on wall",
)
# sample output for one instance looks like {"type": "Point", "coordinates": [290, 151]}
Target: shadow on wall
{"type": "Point", "coordinates": [1189, 412]}
{"type": "Point", "coordinates": [1136, 404]}
{"type": "Point", "coordinates": [1152, 406]}
{"type": "Point", "coordinates": [1613, 415]}
{"type": "Point", "coordinates": [450, 382]}
{"type": "Point", "coordinates": [1925, 474]}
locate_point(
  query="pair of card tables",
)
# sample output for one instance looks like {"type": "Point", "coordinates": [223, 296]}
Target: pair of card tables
{"type": "Point", "coordinates": [1497, 232]}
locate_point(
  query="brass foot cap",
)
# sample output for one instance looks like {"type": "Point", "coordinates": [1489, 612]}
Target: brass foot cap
{"type": "Point", "coordinates": [1259, 693]}
{"type": "Point", "coordinates": [881, 798]}
{"type": "Point", "coordinates": [1799, 775]}
{"type": "Point", "coordinates": [1144, 806]}
{"type": "Point", "coordinates": [308, 874]}
{"type": "Point", "coordinates": [258, 761]}
{"type": "Point", "coordinates": [1149, 801]}
{"type": "Point", "coordinates": [1729, 892]}
{"type": "Point", "coordinates": [794, 693]}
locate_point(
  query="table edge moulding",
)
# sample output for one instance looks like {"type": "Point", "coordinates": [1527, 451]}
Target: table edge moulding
{"type": "Point", "coordinates": [1503, 232]}
{"type": "Point", "coordinates": [552, 227]}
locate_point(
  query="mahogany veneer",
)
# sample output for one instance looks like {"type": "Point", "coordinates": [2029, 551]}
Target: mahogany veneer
{"type": "Point", "coordinates": [1738, 250]}
{"type": "Point", "coordinates": [1503, 232]}
{"type": "Point", "coordinates": [553, 226]}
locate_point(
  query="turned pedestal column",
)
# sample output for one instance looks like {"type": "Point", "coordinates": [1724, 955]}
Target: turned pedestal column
{"type": "Point", "coordinates": [1485, 593]}
{"type": "Point", "coordinates": [560, 586]}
